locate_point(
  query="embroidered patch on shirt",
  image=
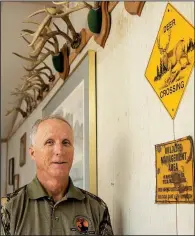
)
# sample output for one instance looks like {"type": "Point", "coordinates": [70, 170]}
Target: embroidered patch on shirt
{"type": "Point", "coordinates": [82, 225]}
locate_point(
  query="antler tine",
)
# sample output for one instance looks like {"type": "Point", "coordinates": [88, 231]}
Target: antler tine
{"type": "Point", "coordinates": [25, 58]}
{"type": "Point", "coordinates": [40, 79]}
{"type": "Point", "coordinates": [26, 40]}
{"type": "Point", "coordinates": [49, 35]}
{"type": "Point", "coordinates": [44, 67]}
{"type": "Point", "coordinates": [59, 3]}
{"type": "Point", "coordinates": [36, 13]}
{"type": "Point", "coordinates": [41, 27]}
{"type": "Point", "coordinates": [159, 47]}
{"type": "Point", "coordinates": [10, 111]}
{"type": "Point", "coordinates": [70, 26]}
{"type": "Point", "coordinates": [27, 31]}
{"type": "Point", "coordinates": [37, 62]}
{"type": "Point", "coordinates": [158, 41]}
{"type": "Point", "coordinates": [169, 37]}
{"type": "Point", "coordinates": [89, 6]}
{"type": "Point", "coordinates": [44, 73]}
{"type": "Point", "coordinates": [66, 3]}
{"type": "Point", "coordinates": [96, 4]}
{"type": "Point", "coordinates": [46, 22]}
{"type": "Point", "coordinates": [33, 47]}
{"type": "Point", "coordinates": [32, 22]}
{"type": "Point", "coordinates": [55, 44]}
{"type": "Point", "coordinates": [33, 75]}
{"type": "Point", "coordinates": [67, 11]}
{"type": "Point", "coordinates": [38, 49]}
{"type": "Point", "coordinates": [47, 67]}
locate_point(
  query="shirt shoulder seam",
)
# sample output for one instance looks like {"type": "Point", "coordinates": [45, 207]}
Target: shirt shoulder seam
{"type": "Point", "coordinates": [94, 197]}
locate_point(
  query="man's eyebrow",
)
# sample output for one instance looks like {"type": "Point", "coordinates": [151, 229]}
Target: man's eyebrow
{"type": "Point", "coordinates": [66, 139]}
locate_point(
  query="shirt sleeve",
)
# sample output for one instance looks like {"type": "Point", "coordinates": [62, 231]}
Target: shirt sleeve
{"type": "Point", "coordinates": [105, 225]}
{"type": "Point", "coordinates": [5, 221]}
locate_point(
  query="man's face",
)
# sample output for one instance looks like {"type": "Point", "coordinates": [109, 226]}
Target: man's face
{"type": "Point", "coordinates": [53, 148]}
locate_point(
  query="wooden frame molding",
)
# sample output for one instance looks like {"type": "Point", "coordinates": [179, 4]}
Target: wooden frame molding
{"type": "Point", "coordinates": [134, 7]}
{"type": "Point", "coordinates": [93, 183]}
{"type": "Point", "coordinates": [65, 73]}
{"type": "Point", "coordinates": [4, 140]}
{"type": "Point", "coordinates": [85, 37]}
{"type": "Point", "coordinates": [106, 24]}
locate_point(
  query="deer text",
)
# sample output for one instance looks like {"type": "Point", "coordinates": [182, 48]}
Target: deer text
{"type": "Point", "coordinates": [169, 25]}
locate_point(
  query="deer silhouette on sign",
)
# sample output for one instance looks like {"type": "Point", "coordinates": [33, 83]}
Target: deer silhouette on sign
{"type": "Point", "coordinates": [173, 57]}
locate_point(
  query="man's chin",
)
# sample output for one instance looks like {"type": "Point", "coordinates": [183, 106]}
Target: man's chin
{"type": "Point", "coordinates": [59, 173]}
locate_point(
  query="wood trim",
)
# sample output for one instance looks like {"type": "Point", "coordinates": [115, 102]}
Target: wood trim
{"type": "Point", "coordinates": [134, 7]}
{"type": "Point", "coordinates": [6, 172]}
{"type": "Point", "coordinates": [93, 187]}
{"type": "Point", "coordinates": [4, 140]}
{"type": "Point", "coordinates": [85, 37]}
{"type": "Point", "coordinates": [111, 6]}
{"type": "Point", "coordinates": [66, 71]}
{"type": "Point", "coordinates": [106, 24]}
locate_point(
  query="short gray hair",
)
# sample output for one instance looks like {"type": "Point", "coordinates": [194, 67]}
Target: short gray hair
{"type": "Point", "coordinates": [39, 121]}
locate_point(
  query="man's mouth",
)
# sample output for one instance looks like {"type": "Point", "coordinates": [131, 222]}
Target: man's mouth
{"type": "Point", "coordinates": [59, 162]}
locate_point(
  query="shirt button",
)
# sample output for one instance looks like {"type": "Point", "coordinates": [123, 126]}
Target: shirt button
{"type": "Point", "coordinates": [57, 218]}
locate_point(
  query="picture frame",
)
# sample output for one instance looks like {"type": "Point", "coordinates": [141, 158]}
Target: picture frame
{"type": "Point", "coordinates": [16, 182]}
{"type": "Point", "coordinates": [11, 171]}
{"type": "Point", "coordinates": [75, 100]}
{"type": "Point", "coordinates": [22, 160]}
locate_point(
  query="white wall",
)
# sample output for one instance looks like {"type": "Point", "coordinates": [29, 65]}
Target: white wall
{"type": "Point", "coordinates": [3, 168]}
{"type": "Point", "coordinates": [130, 121]}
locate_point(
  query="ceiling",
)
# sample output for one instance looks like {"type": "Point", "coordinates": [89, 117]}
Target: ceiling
{"type": "Point", "coordinates": [12, 16]}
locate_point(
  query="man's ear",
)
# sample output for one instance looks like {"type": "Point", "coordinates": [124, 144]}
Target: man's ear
{"type": "Point", "coordinates": [32, 152]}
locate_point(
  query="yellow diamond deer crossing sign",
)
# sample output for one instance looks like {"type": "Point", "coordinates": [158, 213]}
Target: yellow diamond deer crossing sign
{"type": "Point", "coordinates": [172, 59]}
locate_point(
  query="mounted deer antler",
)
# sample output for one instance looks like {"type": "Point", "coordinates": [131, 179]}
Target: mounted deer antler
{"type": "Point", "coordinates": [34, 61]}
{"type": "Point", "coordinates": [45, 39]}
{"type": "Point", "coordinates": [28, 98]}
{"type": "Point", "coordinates": [51, 76]}
{"type": "Point", "coordinates": [66, 10]}
{"type": "Point", "coordinates": [37, 78]}
{"type": "Point", "coordinates": [35, 86]}
{"type": "Point", "coordinates": [46, 22]}
{"type": "Point", "coordinates": [23, 113]}
{"type": "Point", "coordinates": [58, 13]}
{"type": "Point", "coordinates": [39, 72]}
{"type": "Point", "coordinates": [33, 47]}
{"type": "Point", "coordinates": [39, 41]}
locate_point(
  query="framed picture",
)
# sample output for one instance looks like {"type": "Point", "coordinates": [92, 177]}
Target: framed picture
{"type": "Point", "coordinates": [11, 171]}
{"type": "Point", "coordinates": [76, 102]}
{"type": "Point", "coordinates": [16, 182]}
{"type": "Point", "coordinates": [23, 150]}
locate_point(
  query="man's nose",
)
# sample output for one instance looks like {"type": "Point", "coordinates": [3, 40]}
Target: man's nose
{"type": "Point", "coordinates": [58, 148]}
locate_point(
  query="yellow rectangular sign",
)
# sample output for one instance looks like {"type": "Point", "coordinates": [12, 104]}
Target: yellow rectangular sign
{"type": "Point", "coordinates": [175, 171]}
{"type": "Point", "coordinates": [172, 59]}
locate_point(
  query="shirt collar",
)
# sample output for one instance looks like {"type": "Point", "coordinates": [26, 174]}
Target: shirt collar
{"type": "Point", "coordinates": [74, 192]}
{"type": "Point", "coordinates": [35, 190]}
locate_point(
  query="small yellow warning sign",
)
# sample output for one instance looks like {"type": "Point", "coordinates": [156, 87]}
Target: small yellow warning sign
{"type": "Point", "coordinates": [172, 59]}
{"type": "Point", "coordinates": [174, 171]}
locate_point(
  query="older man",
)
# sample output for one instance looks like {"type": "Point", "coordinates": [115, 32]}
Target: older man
{"type": "Point", "coordinates": [51, 204]}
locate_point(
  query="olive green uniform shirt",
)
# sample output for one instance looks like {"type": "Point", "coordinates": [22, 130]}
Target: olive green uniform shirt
{"type": "Point", "coordinates": [30, 211]}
